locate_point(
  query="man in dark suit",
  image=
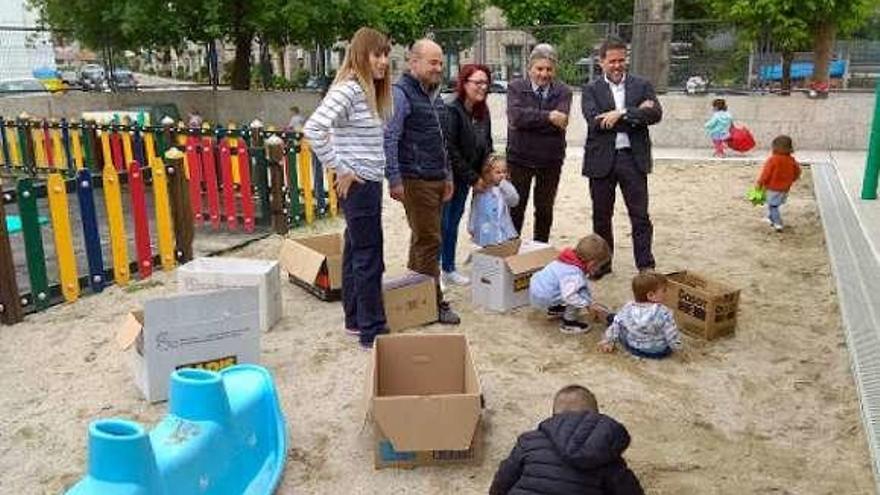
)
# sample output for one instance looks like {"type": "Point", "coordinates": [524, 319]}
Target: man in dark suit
{"type": "Point", "coordinates": [618, 108]}
{"type": "Point", "coordinates": [537, 116]}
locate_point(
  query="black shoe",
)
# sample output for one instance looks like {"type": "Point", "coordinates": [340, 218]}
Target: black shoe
{"type": "Point", "coordinates": [610, 319]}
{"type": "Point", "coordinates": [556, 311]}
{"type": "Point", "coordinates": [446, 315]}
{"type": "Point", "coordinates": [572, 327]}
{"type": "Point", "coordinates": [601, 271]}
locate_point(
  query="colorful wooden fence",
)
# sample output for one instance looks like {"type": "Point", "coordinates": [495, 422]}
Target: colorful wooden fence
{"type": "Point", "coordinates": [152, 198]}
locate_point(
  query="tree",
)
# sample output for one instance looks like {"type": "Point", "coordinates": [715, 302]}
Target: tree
{"type": "Point", "coordinates": [827, 18]}
{"type": "Point", "coordinates": [408, 20]}
{"type": "Point", "coordinates": [783, 20]}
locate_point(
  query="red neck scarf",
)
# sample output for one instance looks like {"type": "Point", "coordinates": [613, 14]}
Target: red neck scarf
{"type": "Point", "coordinates": [570, 257]}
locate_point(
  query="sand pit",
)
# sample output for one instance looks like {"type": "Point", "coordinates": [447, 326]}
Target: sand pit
{"type": "Point", "coordinates": [772, 410]}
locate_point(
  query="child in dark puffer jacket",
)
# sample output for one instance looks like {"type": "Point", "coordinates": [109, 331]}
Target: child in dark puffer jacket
{"type": "Point", "coordinates": [577, 451]}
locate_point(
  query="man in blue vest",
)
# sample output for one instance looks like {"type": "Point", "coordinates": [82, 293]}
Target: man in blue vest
{"type": "Point", "coordinates": [417, 166]}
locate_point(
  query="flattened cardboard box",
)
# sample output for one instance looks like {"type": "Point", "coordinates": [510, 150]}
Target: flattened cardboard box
{"type": "Point", "coordinates": [210, 330]}
{"type": "Point", "coordinates": [203, 274]}
{"type": "Point", "coordinates": [500, 274]}
{"type": "Point", "coordinates": [315, 264]}
{"type": "Point", "coordinates": [425, 401]}
{"type": "Point", "coordinates": [703, 308]}
{"type": "Point", "coordinates": [410, 300]}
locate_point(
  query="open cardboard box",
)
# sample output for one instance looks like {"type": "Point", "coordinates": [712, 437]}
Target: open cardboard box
{"type": "Point", "coordinates": [315, 264]}
{"type": "Point", "coordinates": [209, 273]}
{"type": "Point", "coordinates": [500, 274]}
{"type": "Point", "coordinates": [410, 301]}
{"type": "Point", "coordinates": [425, 401]}
{"type": "Point", "coordinates": [703, 307]}
{"type": "Point", "coordinates": [210, 330]}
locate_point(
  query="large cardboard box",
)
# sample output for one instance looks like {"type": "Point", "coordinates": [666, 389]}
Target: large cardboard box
{"type": "Point", "coordinates": [425, 401]}
{"type": "Point", "coordinates": [215, 273]}
{"type": "Point", "coordinates": [703, 307]}
{"type": "Point", "coordinates": [210, 330]}
{"type": "Point", "coordinates": [315, 264]}
{"type": "Point", "coordinates": [500, 274]}
{"type": "Point", "coordinates": [410, 300]}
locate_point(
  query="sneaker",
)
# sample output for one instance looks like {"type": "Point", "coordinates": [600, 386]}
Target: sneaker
{"type": "Point", "coordinates": [573, 327]}
{"type": "Point", "coordinates": [366, 345]}
{"type": "Point", "coordinates": [446, 315]}
{"type": "Point", "coordinates": [768, 221]}
{"type": "Point", "coordinates": [455, 278]}
{"type": "Point", "coordinates": [777, 227]}
{"type": "Point", "coordinates": [556, 311]}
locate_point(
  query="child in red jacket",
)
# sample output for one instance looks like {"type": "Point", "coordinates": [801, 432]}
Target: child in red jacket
{"type": "Point", "coordinates": [779, 173]}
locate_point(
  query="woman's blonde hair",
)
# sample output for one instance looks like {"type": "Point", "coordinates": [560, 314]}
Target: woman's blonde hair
{"type": "Point", "coordinates": [356, 65]}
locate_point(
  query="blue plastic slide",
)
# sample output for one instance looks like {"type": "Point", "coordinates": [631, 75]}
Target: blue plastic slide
{"type": "Point", "coordinates": [224, 434]}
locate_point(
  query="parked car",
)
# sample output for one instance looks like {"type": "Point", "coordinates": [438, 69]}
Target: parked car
{"type": "Point", "coordinates": [498, 86]}
{"type": "Point", "coordinates": [22, 86]}
{"type": "Point", "coordinates": [318, 83]}
{"type": "Point", "coordinates": [123, 79]}
{"type": "Point", "coordinates": [93, 78]}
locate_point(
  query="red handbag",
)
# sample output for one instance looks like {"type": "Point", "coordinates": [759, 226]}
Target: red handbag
{"type": "Point", "coordinates": [740, 139]}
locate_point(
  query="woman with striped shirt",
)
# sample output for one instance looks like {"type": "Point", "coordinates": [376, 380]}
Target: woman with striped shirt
{"type": "Point", "coordinates": [347, 136]}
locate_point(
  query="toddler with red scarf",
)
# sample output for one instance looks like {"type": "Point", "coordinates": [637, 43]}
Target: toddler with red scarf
{"type": "Point", "coordinates": [562, 287]}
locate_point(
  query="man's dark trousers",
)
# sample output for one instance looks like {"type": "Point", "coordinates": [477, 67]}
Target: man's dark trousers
{"type": "Point", "coordinates": [362, 260]}
{"type": "Point", "coordinates": [634, 186]}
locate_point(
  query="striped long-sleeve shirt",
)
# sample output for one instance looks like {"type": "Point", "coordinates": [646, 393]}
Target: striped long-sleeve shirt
{"type": "Point", "coordinates": [648, 327]}
{"type": "Point", "coordinates": [345, 133]}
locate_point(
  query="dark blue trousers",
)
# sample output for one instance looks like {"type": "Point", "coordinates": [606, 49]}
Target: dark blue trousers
{"type": "Point", "coordinates": [453, 210]}
{"type": "Point", "coordinates": [362, 261]}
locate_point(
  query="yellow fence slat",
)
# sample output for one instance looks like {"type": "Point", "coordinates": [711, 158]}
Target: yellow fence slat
{"type": "Point", "coordinates": [39, 150]}
{"type": "Point", "coordinates": [63, 237]}
{"type": "Point", "coordinates": [126, 148]}
{"type": "Point", "coordinates": [116, 222]}
{"type": "Point", "coordinates": [233, 147]}
{"type": "Point", "coordinates": [58, 156]}
{"type": "Point", "coordinates": [14, 152]}
{"type": "Point", "coordinates": [306, 182]}
{"type": "Point", "coordinates": [331, 191]}
{"type": "Point", "coordinates": [164, 225]}
{"type": "Point", "coordinates": [76, 143]}
{"type": "Point", "coordinates": [105, 150]}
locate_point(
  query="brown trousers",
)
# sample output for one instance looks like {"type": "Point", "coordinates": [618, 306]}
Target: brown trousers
{"type": "Point", "coordinates": [423, 201]}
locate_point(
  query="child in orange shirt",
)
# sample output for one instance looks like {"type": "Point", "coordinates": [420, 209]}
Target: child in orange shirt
{"type": "Point", "coordinates": [779, 173]}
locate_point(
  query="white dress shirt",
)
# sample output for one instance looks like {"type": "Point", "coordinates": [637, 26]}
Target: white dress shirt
{"type": "Point", "coordinates": [618, 91]}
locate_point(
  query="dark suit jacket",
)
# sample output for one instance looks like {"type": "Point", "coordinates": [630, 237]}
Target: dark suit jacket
{"type": "Point", "coordinates": [599, 149]}
{"type": "Point", "coordinates": [532, 141]}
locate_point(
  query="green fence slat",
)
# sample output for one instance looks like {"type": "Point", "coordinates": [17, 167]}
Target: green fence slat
{"type": "Point", "coordinates": [33, 243]}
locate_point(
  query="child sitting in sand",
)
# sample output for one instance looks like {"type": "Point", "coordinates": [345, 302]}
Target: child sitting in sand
{"type": "Point", "coordinates": [576, 451]}
{"type": "Point", "coordinates": [644, 327]}
{"type": "Point", "coordinates": [489, 221]}
{"type": "Point", "coordinates": [562, 288]}
{"type": "Point", "coordinates": [780, 171]}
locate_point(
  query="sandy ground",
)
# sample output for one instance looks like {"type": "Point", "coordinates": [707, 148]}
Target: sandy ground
{"type": "Point", "coordinates": [772, 410]}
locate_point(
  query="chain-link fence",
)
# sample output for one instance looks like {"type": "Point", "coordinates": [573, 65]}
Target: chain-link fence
{"type": "Point", "coordinates": [710, 54]}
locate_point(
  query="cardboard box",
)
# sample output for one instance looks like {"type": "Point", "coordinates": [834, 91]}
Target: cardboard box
{"type": "Point", "coordinates": [500, 274]}
{"type": "Point", "coordinates": [315, 264]}
{"type": "Point", "coordinates": [210, 330]}
{"type": "Point", "coordinates": [216, 273]}
{"type": "Point", "coordinates": [703, 308]}
{"type": "Point", "coordinates": [410, 301]}
{"type": "Point", "coordinates": [425, 401]}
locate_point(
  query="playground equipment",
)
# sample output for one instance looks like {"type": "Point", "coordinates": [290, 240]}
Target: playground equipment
{"type": "Point", "coordinates": [224, 434]}
{"type": "Point", "coordinates": [129, 193]}
{"type": "Point", "coordinates": [872, 167]}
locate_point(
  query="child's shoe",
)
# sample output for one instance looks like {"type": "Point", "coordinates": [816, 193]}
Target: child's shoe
{"type": "Point", "coordinates": [556, 311]}
{"type": "Point", "coordinates": [777, 227]}
{"type": "Point", "coordinates": [573, 327]}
